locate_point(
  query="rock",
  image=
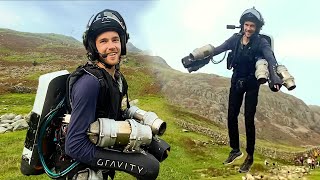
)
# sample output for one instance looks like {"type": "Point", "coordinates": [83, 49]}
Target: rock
{"type": "Point", "coordinates": [3, 130]}
{"type": "Point", "coordinates": [27, 117]}
{"type": "Point", "coordinates": [9, 128]}
{"type": "Point", "coordinates": [18, 117]}
{"type": "Point", "coordinates": [261, 175]}
{"type": "Point", "coordinates": [293, 176]}
{"type": "Point", "coordinates": [19, 88]}
{"type": "Point", "coordinates": [257, 177]}
{"type": "Point", "coordinates": [7, 121]}
{"type": "Point", "coordinates": [185, 130]}
{"type": "Point", "coordinates": [249, 177]}
{"type": "Point", "coordinates": [134, 102]}
{"type": "Point", "coordinates": [20, 124]}
{"type": "Point", "coordinates": [266, 177]}
{"type": "Point", "coordinates": [11, 122]}
{"type": "Point", "coordinates": [273, 178]}
{"type": "Point", "coordinates": [283, 171]}
{"type": "Point", "coordinates": [303, 170]}
{"type": "Point", "coordinates": [10, 116]}
{"type": "Point", "coordinates": [4, 117]}
{"type": "Point", "coordinates": [4, 125]}
{"type": "Point", "coordinates": [282, 178]}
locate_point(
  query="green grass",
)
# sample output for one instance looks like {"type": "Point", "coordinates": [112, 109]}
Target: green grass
{"type": "Point", "coordinates": [10, 152]}
{"type": "Point", "coordinates": [192, 155]}
{"type": "Point", "coordinates": [203, 122]}
{"type": "Point", "coordinates": [4, 50]}
{"type": "Point", "coordinates": [314, 174]}
{"type": "Point", "coordinates": [36, 75]}
{"type": "Point", "coordinates": [282, 147]}
{"type": "Point", "coordinates": [184, 161]}
{"type": "Point", "coordinates": [138, 82]}
{"type": "Point", "coordinates": [16, 103]}
{"type": "Point", "coordinates": [31, 57]}
{"type": "Point", "coordinates": [47, 38]}
{"type": "Point", "coordinates": [189, 158]}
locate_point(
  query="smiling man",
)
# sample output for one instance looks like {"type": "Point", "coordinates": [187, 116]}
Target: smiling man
{"type": "Point", "coordinates": [109, 43]}
{"type": "Point", "coordinates": [247, 47]}
{"type": "Point", "coordinates": [98, 135]}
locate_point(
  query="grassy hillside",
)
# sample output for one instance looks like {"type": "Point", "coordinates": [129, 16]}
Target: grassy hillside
{"type": "Point", "coordinates": [26, 56]}
{"type": "Point", "coordinates": [192, 156]}
{"type": "Point", "coordinates": [40, 39]}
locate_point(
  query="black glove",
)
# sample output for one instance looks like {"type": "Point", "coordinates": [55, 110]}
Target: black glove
{"type": "Point", "coordinates": [159, 149]}
{"type": "Point", "coordinates": [274, 79]}
{"type": "Point", "coordinates": [194, 65]}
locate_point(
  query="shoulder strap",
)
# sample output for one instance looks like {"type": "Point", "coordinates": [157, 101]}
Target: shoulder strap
{"type": "Point", "coordinates": [103, 109]}
{"type": "Point", "coordinates": [72, 78]}
{"type": "Point", "coordinates": [105, 95]}
{"type": "Point", "coordinates": [125, 88]}
{"type": "Point", "coordinates": [232, 61]}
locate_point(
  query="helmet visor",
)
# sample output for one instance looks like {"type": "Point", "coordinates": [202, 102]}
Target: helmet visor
{"type": "Point", "coordinates": [254, 12]}
{"type": "Point", "coordinates": [106, 17]}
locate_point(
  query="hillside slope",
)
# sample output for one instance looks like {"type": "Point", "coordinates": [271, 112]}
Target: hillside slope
{"type": "Point", "coordinates": [193, 105]}
{"type": "Point", "coordinates": [280, 117]}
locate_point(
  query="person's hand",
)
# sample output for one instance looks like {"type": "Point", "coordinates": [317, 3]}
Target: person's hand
{"type": "Point", "coordinates": [277, 86]}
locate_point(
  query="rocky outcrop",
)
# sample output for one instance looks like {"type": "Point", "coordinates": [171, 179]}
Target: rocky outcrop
{"type": "Point", "coordinates": [132, 48]}
{"type": "Point", "coordinates": [222, 139]}
{"type": "Point", "coordinates": [12, 122]}
{"type": "Point", "coordinates": [280, 117]}
{"type": "Point", "coordinates": [280, 173]}
{"type": "Point", "coordinates": [217, 138]}
{"type": "Point", "coordinates": [315, 108]}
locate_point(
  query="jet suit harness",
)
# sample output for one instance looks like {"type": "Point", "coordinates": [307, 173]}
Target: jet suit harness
{"type": "Point", "coordinates": [122, 143]}
{"type": "Point", "coordinates": [111, 109]}
{"type": "Point", "coordinates": [244, 57]}
{"type": "Point", "coordinates": [108, 105]}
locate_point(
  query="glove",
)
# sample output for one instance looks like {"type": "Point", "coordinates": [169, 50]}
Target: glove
{"type": "Point", "coordinates": [274, 79]}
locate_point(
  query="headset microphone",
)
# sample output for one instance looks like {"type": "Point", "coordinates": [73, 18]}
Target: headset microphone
{"type": "Point", "coordinates": [103, 55]}
{"type": "Point", "coordinates": [232, 27]}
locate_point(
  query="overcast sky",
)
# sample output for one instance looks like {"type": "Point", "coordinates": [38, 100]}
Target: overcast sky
{"type": "Point", "coordinates": [173, 28]}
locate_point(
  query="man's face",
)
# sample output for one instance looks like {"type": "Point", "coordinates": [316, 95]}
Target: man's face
{"type": "Point", "coordinates": [109, 43]}
{"type": "Point", "coordinates": [249, 28]}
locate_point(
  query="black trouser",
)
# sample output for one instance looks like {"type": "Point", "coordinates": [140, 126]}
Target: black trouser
{"type": "Point", "coordinates": [143, 166]}
{"type": "Point", "coordinates": [240, 86]}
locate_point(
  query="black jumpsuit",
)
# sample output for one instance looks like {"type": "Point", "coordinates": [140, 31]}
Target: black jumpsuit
{"type": "Point", "coordinates": [245, 84]}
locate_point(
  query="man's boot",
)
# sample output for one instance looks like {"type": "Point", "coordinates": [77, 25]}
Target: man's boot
{"type": "Point", "coordinates": [245, 167]}
{"type": "Point", "coordinates": [234, 155]}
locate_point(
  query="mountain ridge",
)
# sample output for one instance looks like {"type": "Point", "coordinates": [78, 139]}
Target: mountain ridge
{"type": "Point", "coordinates": [280, 117]}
